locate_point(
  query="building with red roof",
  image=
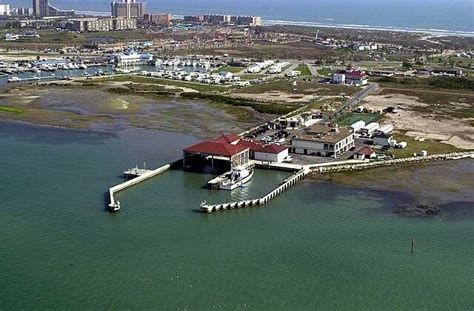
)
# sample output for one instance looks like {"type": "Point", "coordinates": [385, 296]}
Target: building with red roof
{"type": "Point", "coordinates": [364, 152]}
{"type": "Point", "coordinates": [265, 152]}
{"type": "Point", "coordinates": [216, 148]}
{"type": "Point", "coordinates": [216, 155]}
{"type": "Point", "coordinates": [227, 151]}
{"type": "Point", "coordinates": [354, 77]}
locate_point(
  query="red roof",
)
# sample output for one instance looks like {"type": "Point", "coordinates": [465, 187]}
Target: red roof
{"type": "Point", "coordinates": [216, 148]}
{"type": "Point", "coordinates": [230, 139]}
{"type": "Point", "coordinates": [365, 150]}
{"type": "Point", "coordinates": [259, 146]}
{"type": "Point", "coordinates": [355, 74]}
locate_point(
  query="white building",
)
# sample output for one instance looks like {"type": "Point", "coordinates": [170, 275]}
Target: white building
{"type": "Point", "coordinates": [339, 78]}
{"type": "Point", "coordinates": [364, 47]}
{"type": "Point", "coordinates": [4, 9]}
{"type": "Point", "coordinates": [226, 75]}
{"type": "Point", "coordinates": [277, 68]}
{"type": "Point", "coordinates": [293, 73]}
{"type": "Point", "coordinates": [261, 151]}
{"type": "Point", "coordinates": [321, 140]}
{"type": "Point", "coordinates": [258, 67]}
{"type": "Point", "coordinates": [132, 58]}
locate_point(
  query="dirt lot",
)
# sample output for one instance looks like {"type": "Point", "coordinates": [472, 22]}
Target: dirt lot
{"type": "Point", "coordinates": [445, 117]}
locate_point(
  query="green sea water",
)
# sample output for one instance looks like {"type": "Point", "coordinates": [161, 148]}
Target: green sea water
{"type": "Point", "coordinates": [319, 246]}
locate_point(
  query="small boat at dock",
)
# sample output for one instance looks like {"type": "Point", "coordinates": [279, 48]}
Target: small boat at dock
{"type": "Point", "coordinates": [114, 207]}
{"type": "Point", "coordinates": [236, 178]}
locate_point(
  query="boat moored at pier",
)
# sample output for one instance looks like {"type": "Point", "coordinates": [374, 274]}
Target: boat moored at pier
{"type": "Point", "coordinates": [236, 178]}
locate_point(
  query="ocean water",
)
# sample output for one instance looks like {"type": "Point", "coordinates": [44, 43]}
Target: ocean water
{"type": "Point", "coordinates": [427, 15]}
{"type": "Point", "coordinates": [319, 246]}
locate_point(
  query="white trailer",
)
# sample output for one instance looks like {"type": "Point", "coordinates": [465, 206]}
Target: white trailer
{"type": "Point", "coordinates": [370, 128]}
{"type": "Point", "coordinates": [357, 126]}
{"type": "Point", "coordinates": [386, 129]}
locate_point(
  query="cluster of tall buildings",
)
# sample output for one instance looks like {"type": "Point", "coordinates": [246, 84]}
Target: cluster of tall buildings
{"type": "Point", "coordinates": [128, 9]}
{"type": "Point", "coordinates": [43, 8]}
{"type": "Point", "coordinates": [125, 15]}
{"type": "Point", "coordinates": [4, 9]}
{"type": "Point", "coordinates": [24, 11]}
{"type": "Point", "coordinates": [159, 19]}
{"type": "Point", "coordinates": [224, 20]}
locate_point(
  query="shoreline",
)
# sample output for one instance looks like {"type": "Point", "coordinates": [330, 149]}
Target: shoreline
{"type": "Point", "coordinates": [275, 22]}
{"type": "Point", "coordinates": [434, 32]}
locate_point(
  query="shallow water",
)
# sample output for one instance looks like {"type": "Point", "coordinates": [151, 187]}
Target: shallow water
{"type": "Point", "coordinates": [318, 246]}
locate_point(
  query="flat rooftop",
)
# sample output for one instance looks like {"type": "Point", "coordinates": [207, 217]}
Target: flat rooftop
{"type": "Point", "coordinates": [324, 134]}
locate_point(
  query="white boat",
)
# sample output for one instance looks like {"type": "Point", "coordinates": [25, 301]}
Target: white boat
{"type": "Point", "coordinates": [14, 79]}
{"type": "Point", "coordinates": [236, 178]}
{"type": "Point", "coordinates": [114, 207]}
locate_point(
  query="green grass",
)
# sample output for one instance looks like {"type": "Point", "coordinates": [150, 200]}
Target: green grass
{"type": "Point", "coordinates": [148, 80]}
{"type": "Point", "coordinates": [303, 68]}
{"type": "Point", "coordinates": [270, 108]}
{"type": "Point", "coordinates": [351, 118]}
{"type": "Point", "coordinates": [451, 83]}
{"type": "Point", "coordinates": [324, 72]}
{"type": "Point", "coordinates": [413, 146]}
{"type": "Point", "coordinates": [230, 69]}
{"type": "Point", "coordinates": [302, 87]}
{"type": "Point", "coordinates": [10, 109]}
{"type": "Point", "coordinates": [247, 77]}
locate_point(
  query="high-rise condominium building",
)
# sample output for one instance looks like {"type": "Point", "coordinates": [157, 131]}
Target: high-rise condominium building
{"type": "Point", "coordinates": [42, 8]}
{"type": "Point", "coordinates": [128, 9]}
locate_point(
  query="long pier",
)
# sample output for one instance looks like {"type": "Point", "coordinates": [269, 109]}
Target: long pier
{"type": "Point", "coordinates": [114, 205]}
{"type": "Point", "coordinates": [329, 168]}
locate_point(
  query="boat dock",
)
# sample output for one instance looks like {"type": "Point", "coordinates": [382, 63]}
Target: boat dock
{"type": "Point", "coordinates": [114, 206]}
{"type": "Point", "coordinates": [287, 183]}
{"type": "Point", "coordinates": [329, 168]}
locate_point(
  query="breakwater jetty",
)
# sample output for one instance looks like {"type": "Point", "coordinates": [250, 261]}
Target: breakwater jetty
{"type": "Point", "coordinates": [329, 168]}
{"type": "Point", "coordinates": [391, 162]}
{"type": "Point", "coordinates": [114, 206]}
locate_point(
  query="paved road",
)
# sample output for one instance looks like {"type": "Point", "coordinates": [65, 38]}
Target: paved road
{"type": "Point", "coordinates": [313, 68]}
{"type": "Point", "coordinates": [356, 99]}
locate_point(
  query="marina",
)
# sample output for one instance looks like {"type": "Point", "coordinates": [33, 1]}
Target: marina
{"type": "Point", "coordinates": [300, 173]}
{"type": "Point", "coordinates": [223, 155]}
